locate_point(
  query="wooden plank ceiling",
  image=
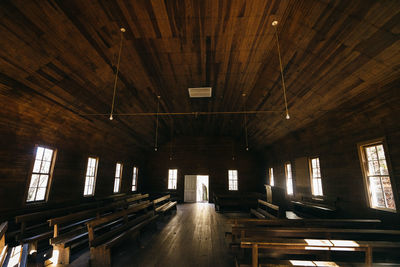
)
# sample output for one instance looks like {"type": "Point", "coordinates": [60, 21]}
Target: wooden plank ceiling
{"type": "Point", "coordinates": [65, 53]}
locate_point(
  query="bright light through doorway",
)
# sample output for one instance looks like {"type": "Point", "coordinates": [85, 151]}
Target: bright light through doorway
{"type": "Point", "coordinates": [202, 188]}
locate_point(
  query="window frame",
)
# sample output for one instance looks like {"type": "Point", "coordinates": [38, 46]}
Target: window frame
{"type": "Point", "coordinates": [95, 176]}
{"type": "Point", "coordinates": [363, 161]}
{"type": "Point", "coordinates": [120, 177]}
{"type": "Point", "coordinates": [237, 180]}
{"type": "Point", "coordinates": [135, 178]}
{"type": "Point", "coordinates": [310, 168]}
{"type": "Point", "coordinates": [286, 176]}
{"type": "Point", "coordinates": [50, 180]}
{"type": "Point", "coordinates": [176, 180]}
{"type": "Point", "coordinates": [271, 171]}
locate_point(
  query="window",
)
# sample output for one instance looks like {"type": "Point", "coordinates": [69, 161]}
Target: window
{"type": "Point", "coordinates": [315, 173]}
{"type": "Point", "coordinates": [134, 179]}
{"type": "Point", "coordinates": [271, 177]}
{"type": "Point", "coordinates": [377, 178]}
{"type": "Point", "coordinates": [118, 175]}
{"type": "Point", "coordinates": [41, 174]}
{"type": "Point", "coordinates": [172, 178]}
{"type": "Point", "coordinates": [289, 178]}
{"type": "Point", "coordinates": [233, 179]}
{"type": "Point", "coordinates": [90, 179]}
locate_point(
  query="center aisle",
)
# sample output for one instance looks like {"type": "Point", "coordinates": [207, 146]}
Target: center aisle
{"type": "Point", "coordinates": [194, 236]}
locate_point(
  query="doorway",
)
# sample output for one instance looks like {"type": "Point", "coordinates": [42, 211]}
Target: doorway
{"type": "Point", "coordinates": [196, 188]}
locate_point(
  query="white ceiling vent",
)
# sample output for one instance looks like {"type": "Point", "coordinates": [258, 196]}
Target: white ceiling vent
{"type": "Point", "coordinates": [200, 92]}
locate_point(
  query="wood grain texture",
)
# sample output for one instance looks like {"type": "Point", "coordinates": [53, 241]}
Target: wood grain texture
{"type": "Point", "coordinates": [204, 156]}
{"type": "Point", "coordinates": [194, 235]}
{"type": "Point", "coordinates": [62, 55]}
{"type": "Point", "coordinates": [334, 140]}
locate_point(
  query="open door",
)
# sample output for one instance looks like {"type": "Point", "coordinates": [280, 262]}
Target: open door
{"type": "Point", "coordinates": [202, 188]}
{"type": "Point", "coordinates": [190, 188]}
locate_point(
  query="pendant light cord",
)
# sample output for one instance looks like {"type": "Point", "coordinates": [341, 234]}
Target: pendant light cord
{"type": "Point", "coordinates": [275, 23]}
{"type": "Point", "coordinates": [116, 74]}
{"type": "Point", "coordinates": [245, 123]}
{"type": "Point", "coordinates": [158, 110]}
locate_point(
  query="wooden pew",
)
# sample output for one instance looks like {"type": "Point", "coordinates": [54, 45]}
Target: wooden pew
{"type": "Point", "coordinates": [315, 207]}
{"type": "Point", "coordinates": [266, 210]}
{"type": "Point", "coordinates": [108, 231]}
{"type": "Point", "coordinates": [373, 237]}
{"type": "Point", "coordinates": [314, 245]}
{"type": "Point", "coordinates": [318, 232]}
{"type": "Point", "coordinates": [164, 204]}
{"type": "Point", "coordinates": [15, 255]}
{"type": "Point", "coordinates": [3, 246]}
{"type": "Point", "coordinates": [34, 227]}
{"type": "Point", "coordinates": [241, 225]}
{"type": "Point", "coordinates": [235, 202]}
{"type": "Point", "coordinates": [338, 223]}
{"type": "Point", "coordinates": [73, 227]}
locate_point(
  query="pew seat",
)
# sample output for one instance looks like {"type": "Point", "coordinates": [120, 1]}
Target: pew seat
{"type": "Point", "coordinates": [109, 231]}
{"type": "Point", "coordinates": [266, 210]}
{"type": "Point", "coordinates": [164, 204]}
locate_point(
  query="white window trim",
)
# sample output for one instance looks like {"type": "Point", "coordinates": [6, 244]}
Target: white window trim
{"type": "Point", "coordinates": [135, 178]}
{"type": "Point", "coordinates": [95, 176]}
{"type": "Point", "coordinates": [361, 156]}
{"type": "Point", "coordinates": [271, 175]}
{"type": "Point", "coordinates": [119, 178]}
{"type": "Point", "coordinates": [49, 181]}
{"type": "Point", "coordinates": [287, 178]}
{"type": "Point", "coordinates": [229, 180]}
{"type": "Point", "coordinates": [312, 176]}
{"type": "Point", "coordinates": [172, 179]}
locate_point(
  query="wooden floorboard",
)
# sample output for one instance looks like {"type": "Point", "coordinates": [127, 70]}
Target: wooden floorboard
{"type": "Point", "coordinates": [193, 236]}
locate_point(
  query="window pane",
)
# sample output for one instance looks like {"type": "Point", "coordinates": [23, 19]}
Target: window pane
{"type": "Point", "coordinates": [387, 189]}
{"type": "Point", "coordinates": [48, 153]}
{"type": "Point", "coordinates": [376, 192]}
{"type": "Point", "coordinates": [116, 185]}
{"type": "Point", "coordinates": [39, 153]}
{"type": "Point", "coordinates": [117, 170]}
{"type": "Point", "coordinates": [41, 193]}
{"type": "Point", "coordinates": [31, 194]}
{"type": "Point", "coordinates": [43, 180]}
{"type": "Point", "coordinates": [34, 180]}
{"type": "Point", "coordinates": [36, 166]}
{"type": "Point", "coordinates": [45, 168]}
{"type": "Point", "coordinates": [381, 152]}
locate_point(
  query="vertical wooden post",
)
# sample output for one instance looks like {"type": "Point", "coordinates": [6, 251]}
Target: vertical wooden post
{"type": "Point", "coordinates": [255, 255]}
{"type": "Point", "coordinates": [23, 226]}
{"type": "Point", "coordinates": [55, 230]}
{"type": "Point", "coordinates": [368, 256]}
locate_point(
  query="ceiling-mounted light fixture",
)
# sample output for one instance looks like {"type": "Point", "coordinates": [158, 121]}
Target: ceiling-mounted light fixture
{"type": "Point", "coordinates": [158, 110]}
{"type": "Point", "coordinates": [245, 121]}
{"type": "Point", "coordinates": [116, 74]}
{"type": "Point", "coordinates": [275, 24]}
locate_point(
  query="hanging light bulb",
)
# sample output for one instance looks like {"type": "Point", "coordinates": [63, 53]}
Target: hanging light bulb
{"type": "Point", "coordinates": [287, 116]}
{"type": "Point", "coordinates": [111, 117]}
{"type": "Point", "coordinates": [247, 148]}
{"type": "Point", "coordinates": [155, 149]}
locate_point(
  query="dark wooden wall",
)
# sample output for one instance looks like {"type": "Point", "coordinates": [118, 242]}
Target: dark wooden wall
{"type": "Point", "coordinates": [204, 156]}
{"type": "Point", "coordinates": [334, 139]}
{"type": "Point", "coordinates": [28, 120]}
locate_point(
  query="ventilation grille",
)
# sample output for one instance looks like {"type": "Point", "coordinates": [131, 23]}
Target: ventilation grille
{"type": "Point", "coordinates": [200, 92]}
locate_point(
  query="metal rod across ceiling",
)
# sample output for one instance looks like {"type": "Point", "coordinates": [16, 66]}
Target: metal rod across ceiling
{"type": "Point", "coordinates": [185, 113]}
